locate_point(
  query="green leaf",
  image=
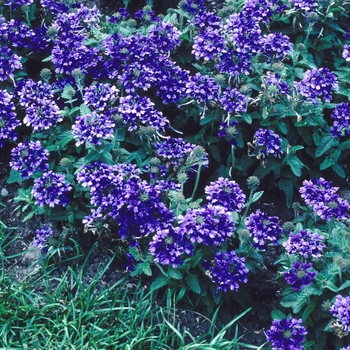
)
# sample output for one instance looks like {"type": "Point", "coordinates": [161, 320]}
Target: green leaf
{"type": "Point", "coordinates": [339, 170]}
{"type": "Point", "coordinates": [257, 196]}
{"type": "Point", "coordinates": [214, 151]}
{"type": "Point", "coordinates": [15, 176]}
{"type": "Point", "coordinates": [175, 274]}
{"type": "Point", "coordinates": [159, 282]}
{"type": "Point", "coordinates": [193, 283]}
{"type": "Point", "coordinates": [309, 309]}
{"type": "Point", "coordinates": [286, 185]}
{"type": "Point", "coordinates": [327, 142]}
{"type": "Point", "coordinates": [344, 285]}
{"type": "Point", "coordinates": [326, 164]}
{"type": "Point", "coordinates": [277, 314]}
{"type": "Point", "coordinates": [247, 118]}
{"type": "Point", "coordinates": [295, 164]}
{"type": "Point", "coordinates": [84, 110]}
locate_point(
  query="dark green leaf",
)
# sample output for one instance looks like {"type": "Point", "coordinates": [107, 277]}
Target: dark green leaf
{"type": "Point", "coordinates": [159, 282]}
{"type": "Point", "coordinates": [15, 176]}
{"type": "Point", "coordinates": [175, 274]}
{"type": "Point", "coordinates": [193, 283]}
{"type": "Point", "coordinates": [286, 185]}
{"type": "Point", "coordinates": [327, 142]}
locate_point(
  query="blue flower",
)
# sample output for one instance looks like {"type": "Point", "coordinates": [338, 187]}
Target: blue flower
{"type": "Point", "coordinates": [233, 101]}
{"type": "Point", "coordinates": [228, 130]}
{"type": "Point", "coordinates": [42, 236]}
{"type": "Point", "coordinates": [300, 275]}
{"type": "Point", "coordinates": [341, 310]}
{"type": "Point", "coordinates": [202, 88]}
{"type": "Point", "coordinates": [276, 46]}
{"type": "Point", "coordinates": [9, 62]}
{"type": "Point", "coordinates": [267, 142]}
{"type": "Point", "coordinates": [100, 96]}
{"type": "Point", "coordinates": [341, 116]}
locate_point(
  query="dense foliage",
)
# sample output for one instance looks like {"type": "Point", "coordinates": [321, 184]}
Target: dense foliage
{"type": "Point", "coordinates": [158, 131]}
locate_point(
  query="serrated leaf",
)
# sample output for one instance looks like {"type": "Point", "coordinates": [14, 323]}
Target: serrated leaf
{"type": "Point", "coordinates": [247, 118]}
{"type": "Point", "coordinates": [277, 314]}
{"type": "Point", "coordinates": [295, 164]}
{"type": "Point", "coordinates": [159, 282]}
{"type": "Point", "coordinates": [286, 185]}
{"type": "Point", "coordinates": [84, 110]}
{"type": "Point", "coordinates": [15, 176]}
{"type": "Point", "coordinates": [327, 142]}
{"type": "Point", "coordinates": [146, 268]}
{"type": "Point", "coordinates": [339, 170]}
{"type": "Point", "coordinates": [257, 196]}
{"type": "Point", "coordinates": [344, 285]}
{"type": "Point", "coordinates": [175, 274]}
{"type": "Point", "coordinates": [193, 283]}
{"type": "Point", "coordinates": [214, 151]}
{"type": "Point", "coordinates": [326, 164]}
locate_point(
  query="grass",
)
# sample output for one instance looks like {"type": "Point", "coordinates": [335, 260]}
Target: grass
{"type": "Point", "coordinates": [43, 311]}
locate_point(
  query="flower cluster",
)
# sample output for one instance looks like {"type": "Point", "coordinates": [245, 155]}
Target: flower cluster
{"type": "Point", "coordinates": [267, 142]}
{"type": "Point", "coordinates": [51, 189]}
{"type": "Point", "coordinates": [228, 130]}
{"type": "Point", "coordinates": [9, 62]}
{"type": "Point", "coordinates": [210, 225]}
{"type": "Point", "coordinates": [100, 96]}
{"type": "Point", "coordinates": [262, 228]}
{"type": "Point", "coordinates": [276, 46]}
{"type": "Point", "coordinates": [346, 53]}
{"type": "Point", "coordinates": [233, 101]}
{"type": "Point", "coordinates": [341, 310]}
{"type": "Point", "coordinates": [341, 116]}
{"type": "Point", "coordinates": [276, 84]}
{"type": "Point", "coordinates": [37, 98]}
{"type": "Point", "coordinates": [42, 236]}
{"type": "Point", "coordinates": [287, 334]}
{"type": "Point", "coordinates": [8, 121]}
{"type": "Point", "coordinates": [300, 275]}
{"type": "Point", "coordinates": [322, 197]}
{"type": "Point", "coordinates": [17, 3]}
{"type": "Point", "coordinates": [29, 157]}
{"type": "Point", "coordinates": [227, 270]}
{"type": "Point", "coordinates": [202, 88]}
{"type": "Point", "coordinates": [304, 5]}
{"type": "Point", "coordinates": [317, 84]}
{"type": "Point", "coordinates": [305, 243]}
{"type": "Point", "coordinates": [92, 128]}
{"type": "Point", "coordinates": [226, 193]}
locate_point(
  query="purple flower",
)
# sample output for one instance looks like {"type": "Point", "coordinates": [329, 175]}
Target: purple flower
{"type": "Point", "coordinates": [165, 37]}
{"type": "Point", "coordinates": [304, 5]}
{"type": "Point", "coordinates": [92, 128]}
{"type": "Point", "coordinates": [42, 236]}
{"type": "Point", "coordinates": [305, 243]}
{"type": "Point", "coordinates": [17, 3]}
{"type": "Point", "coordinates": [210, 225]}
{"type": "Point", "coordinates": [227, 270]}
{"type": "Point", "coordinates": [228, 130]}
{"type": "Point", "coordinates": [202, 88]}
{"type": "Point", "coordinates": [28, 158]}
{"type": "Point", "coordinates": [313, 191]}
{"type": "Point", "coordinates": [347, 348]}
{"type": "Point", "coordinates": [233, 101]}
{"type": "Point", "coordinates": [287, 334]}
{"type": "Point", "coordinates": [262, 228]}
{"type": "Point", "coordinates": [341, 116]}
{"type": "Point", "coordinates": [37, 98]}
{"type": "Point", "coordinates": [100, 96]}
{"type": "Point", "coordinates": [300, 275]}
{"type": "Point", "coordinates": [346, 53]}
{"type": "Point", "coordinates": [15, 33]}
{"type": "Point", "coordinates": [274, 80]}
{"type": "Point", "coordinates": [54, 7]}
{"type": "Point", "coordinates": [8, 121]}
{"type": "Point", "coordinates": [51, 189]}
{"type": "Point", "coordinates": [317, 84]}
{"type": "Point", "coordinates": [341, 310]}
{"type": "Point", "coordinates": [276, 46]}
{"type": "Point", "coordinates": [139, 111]}
{"type": "Point", "coordinates": [9, 62]}
{"type": "Point", "coordinates": [168, 245]}
{"type": "Point", "coordinates": [267, 142]}
{"type": "Point", "coordinates": [208, 44]}
{"type": "Point", "coordinates": [226, 193]}
{"type": "Point", "coordinates": [193, 7]}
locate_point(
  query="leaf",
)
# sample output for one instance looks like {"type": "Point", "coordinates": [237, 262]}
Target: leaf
{"type": "Point", "coordinates": [159, 282]}
{"type": "Point", "coordinates": [344, 285]}
{"type": "Point", "coordinates": [257, 196]}
{"type": "Point", "coordinates": [175, 274]}
{"type": "Point", "coordinates": [277, 314]}
{"type": "Point", "coordinates": [193, 283]}
{"type": "Point", "coordinates": [339, 170]}
{"type": "Point", "coordinates": [15, 176]}
{"type": "Point", "coordinates": [327, 142]}
{"type": "Point", "coordinates": [247, 118]}
{"type": "Point", "coordinates": [214, 151]}
{"type": "Point", "coordinates": [286, 185]}
{"type": "Point", "coordinates": [326, 164]}
{"type": "Point", "coordinates": [84, 110]}
{"type": "Point", "coordinates": [295, 164]}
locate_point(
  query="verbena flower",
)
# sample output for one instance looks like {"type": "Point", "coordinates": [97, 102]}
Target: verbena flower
{"type": "Point", "coordinates": [29, 157]}
{"type": "Point", "coordinates": [92, 128]}
{"type": "Point", "coordinates": [274, 80]}
{"type": "Point", "coordinates": [54, 6]}
{"type": "Point", "coordinates": [37, 98]}
{"type": "Point", "coordinates": [8, 121]}
{"type": "Point", "coordinates": [100, 96]}
{"type": "Point", "coordinates": [341, 310]}
{"type": "Point", "coordinates": [210, 225]}
{"type": "Point", "coordinates": [304, 5]}
{"type": "Point", "coordinates": [317, 84]}
{"type": "Point", "coordinates": [263, 228]}
{"type": "Point", "coordinates": [202, 88]}
{"type": "Point", "coordinates": [42, 236]}
{"type": "Point", "coordinates": [228, 130]}
{"type": "Point", "coordinates": [9, 63]}
{"type": "Point", "coordinates": [165, 36]}
{"type": "Point", "coordinates": [346, 53]}
{"type": "Point", "coordinates": [347, 348]}
{"type": "Point", "coordinates": [193, 7]}
{"type": "Point", "coordinates": [51, 189]}
{"type": "Point", "coordinates": [138, 110]}
{"type": "Point", "coordinates": [17, 3]}
{"type": "Point", "coordinates": [276, 46]}
{"type": "Point", "coordinates": [15, 33]}
{"type": "Point", "coordinates": [305, 243]}
{"type": "Point", "coordinates": [300, 275]}
{"type": "Point", "coordinates": [287, 334]}
{"type": "Point", "coordinates": [168, 245]}
{"type": "Point", "coordinates": [267, 142]}
{"type": "Point", "coordinates": [227, 270]}
{"type": "Point", "coordinates": [341, 116]}
{"type": "Point", "coordinates": [226, 193]}
{"type": "Point", "coordinates": [233, 101]}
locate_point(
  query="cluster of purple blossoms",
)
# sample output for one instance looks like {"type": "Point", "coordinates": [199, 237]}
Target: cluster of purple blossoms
{"type": "Point", "coordinates": [276, 46]}
{"type": "Point", "coordinates": [305, 243]}
{"type": "Point", "coordinates": [317, 84]}
{"type": "Point", "coordinates": [202, 88]}
{"type": "Point", "coordinates": [346, 53]}
{"type": "Point", "coordinates": [300, 275]}
{"type": "Point", "coordinates": [267, 142]}
{"type": "Point", "coordinates": [341, 310]}
{"type": "Point", "coordinates": [347, 348]}
{"type": "Point", "coordinates": [9, 62]}
{"type": "Point", "coordinates": [37, 98]}
{"type": "Point", "coordinates": [139, 111]}
{"type": "Point", "coordinates": [54, 6]}
{"type": "Point", "coordinates": [226, 193]}
{"type": "Point", "coordinates": [8, 121]}
{"type": "Point", "coordinates": [233, 101]}
{"type": "Point", "coordinates": [341, 116]}
{"type": "Point", "coordinates": [193, 7]}
{"type": "Point", "coordinates": [165, 36]}
{"type": "Point", "coordinates": [275, 80]}
{"type": "Point", "coordinates": [227, 270]}
{"type": "Point", "coordinates": [100, 96]}
{"type": "Point", "coordinates": [228, 130]}
{"type": "Point", "coordinates": [15, 33]}
{"type": "Point", "coordinates": [168, 245]}
{"type": "Point", "coordinates": [51, 189]}
{"type": "Point", "coordinates": [42, 236]}
{"type": "Point", "coordinates": [17, 3]}
{"type": "Point", "coordinates": [322, 197]}
{"type": "Point", "coordinates": [210, 225]}
{"type": "Point", "coordinates": [304, 5]}
{"type": "Point", "coordinates": [262, 228]}
{"type": "Point", "coordinates": [92, 128]}
{"type": "Point", "coordinates": [29, 157]}
{"type": "Point", "coordinates": [287, 334]}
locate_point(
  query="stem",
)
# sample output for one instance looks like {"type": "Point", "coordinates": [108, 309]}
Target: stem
{"type": "Point", "coordinates": [197, 181]}
{"type": "Point", "coordinates": [252, 190]}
